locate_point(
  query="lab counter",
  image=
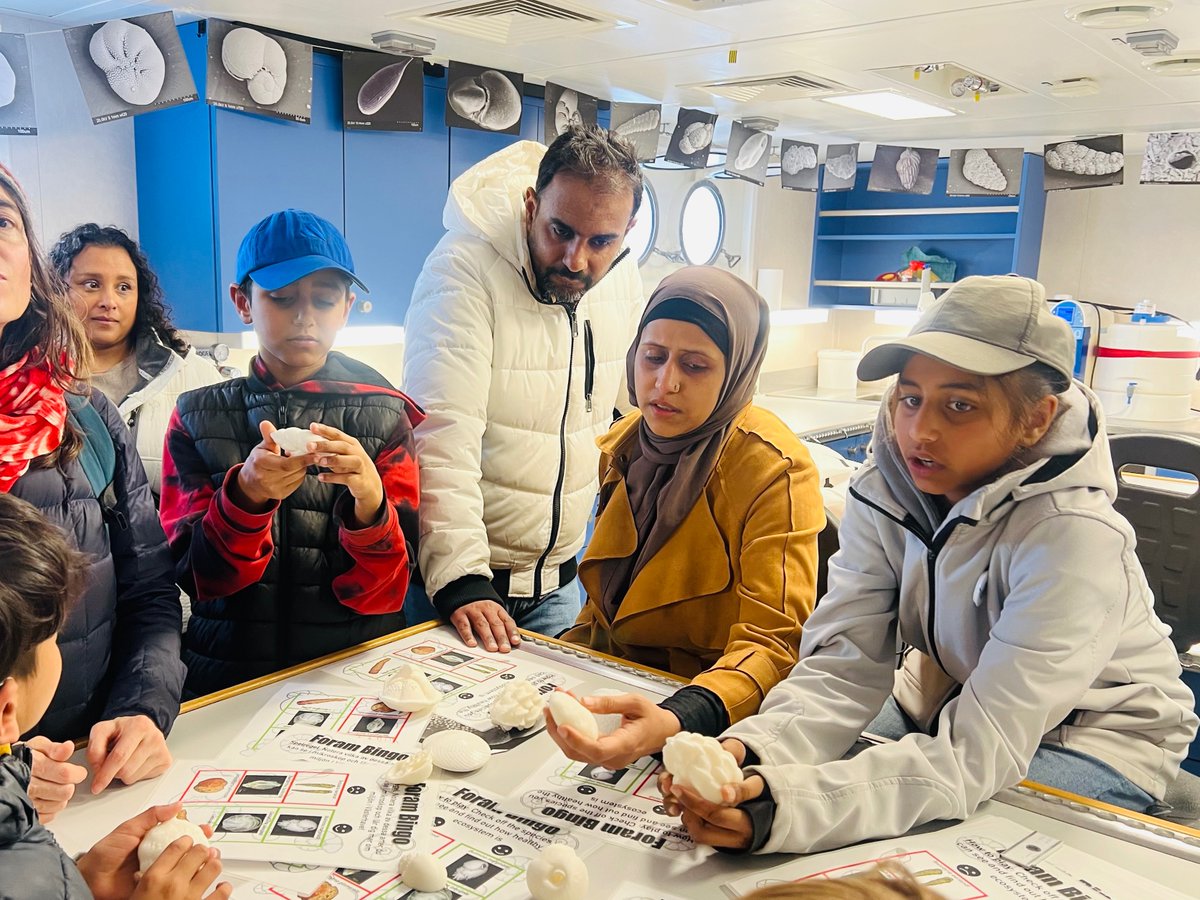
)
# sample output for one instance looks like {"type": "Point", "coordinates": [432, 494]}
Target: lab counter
{"type": "Point", "coordinates": [528, 783]}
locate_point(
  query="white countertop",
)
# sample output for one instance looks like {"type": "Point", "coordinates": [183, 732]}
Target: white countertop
{"type": "Point", "coordinates": [803, 411]}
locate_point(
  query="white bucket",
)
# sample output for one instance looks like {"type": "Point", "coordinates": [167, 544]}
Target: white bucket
{"type": "Point", "coordinates": [837, 370]}
{"type": "Point", "coordinates": [1146, 371]}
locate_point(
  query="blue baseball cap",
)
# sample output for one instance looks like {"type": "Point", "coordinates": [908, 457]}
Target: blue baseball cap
{"type": "Point", "coordinates": [287, 245]}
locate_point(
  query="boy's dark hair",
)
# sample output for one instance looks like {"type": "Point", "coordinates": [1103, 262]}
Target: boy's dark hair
{"type": "Point", "coordinates": [152, 313]}
{"type": "Point", "coordinates": [596, 154]}
{"type": "Point", "coordinates": [40, 576]}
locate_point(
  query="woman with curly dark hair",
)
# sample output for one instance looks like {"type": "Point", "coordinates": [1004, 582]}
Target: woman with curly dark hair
{"type": "Point", "coordinates": [140, 361]}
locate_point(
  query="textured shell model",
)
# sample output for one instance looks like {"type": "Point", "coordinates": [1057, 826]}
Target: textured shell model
{"type": "Point", "coordinates": [518, 706]}
{"type": "Point", "coordinates": [258, 60]}
{"type": "Point", "coordinates": [408, 690]}
{"type": "Point", "coordinates": [298, 826]}
{"type": "Point", "coordinates": [163, 835]}
{"type": "Point", "coordinates": [751, 152]}
{"type": "Point", "coordinates": [457, 751]}
{"type": "Point", "coordinates": [644, 121]}
{"type": "Point", "coordinates": [697, 761]}
{"type": "Point", "coordinates": [570, 712]}
{"type": "Point", "coordinates": [130, 60]}
{"type": "Point", "coordinates": [799, 157]}
{"type": "Point", "coordinates": [908, 167]}
{"type": "Point", "coordinates": [696, 137]}
{"type": "Point", "coordinates": [488, 99]}
{"type": "Point", "coordinates": [981, 170]}
{"type": "Point", "coordinates": [557, 874]}
{"type": "Point", "coordinates": [841, 167]}
{"type": "Point", "coordinates": [241, 822]}
{"type": "Point", "coordinates": [415, 769]}
{"type": "Point", "coordinates": [293, 441]}
{"type": "Point", "coordinates": [1070, 156]}
{"type": "Point", "coordinates": [422, 871]}
{"type": "Point", "coordinates": [379, 88]}
{"type": "Point", "coordinates": [566, 111]}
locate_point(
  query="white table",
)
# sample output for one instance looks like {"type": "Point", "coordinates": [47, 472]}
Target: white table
{"type": "Point", "coordinates": [207, 728]}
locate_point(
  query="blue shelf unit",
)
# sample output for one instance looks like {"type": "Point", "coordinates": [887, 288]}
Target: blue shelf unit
{"type": "Point", "coordinates": [861, 234]}
{"type": "Point", "coordinates": [205, 175]}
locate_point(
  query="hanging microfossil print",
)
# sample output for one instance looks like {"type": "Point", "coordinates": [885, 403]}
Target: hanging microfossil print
{"type": "Point", "coordinates": [841, 167]}
{"type": "Point", "coordinates": [749, 152]}
{"type": "Point", "coordinates": [566, 107]}
{"type": "Point", "coordinates": [903, 170]}
{"type": "Point", "coordinates": [990, 172]}
{"type": "Point", "coordinates": [692, 138]}
{"type": "Point", "coordinates": [638, 123]}
{"type": "Point", "coordinates": [1085, 163]}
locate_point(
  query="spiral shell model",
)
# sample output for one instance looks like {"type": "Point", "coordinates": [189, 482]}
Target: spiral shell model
{"type": "Point", "coordinates": [488, 99]}
{"type": "Point", "coordinates": [981, 170]}
{"type": "Point", "coordinates": [841, 167]}
{"type": "Point", "coordinates": [643, 121]}
{"type": "Point", "coordinates": [752, 150]}
{"type": "Point", "coordinates": [908, 166]}
{"type": "Point", "coordinates": [1070, 156]}
{"type": "Point", "coordinates": [696, 137]}
{"type": "Point", "coordinates": [799, 157]}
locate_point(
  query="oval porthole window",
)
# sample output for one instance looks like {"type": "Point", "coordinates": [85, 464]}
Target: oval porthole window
{"type": "Point", "coordinates": [702, 224]}
{"type": "Point", "coordinates": [642, 235]}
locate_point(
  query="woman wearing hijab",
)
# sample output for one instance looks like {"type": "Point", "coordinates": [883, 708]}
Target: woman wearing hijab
{"type": "Point", "coordinates": [703, 561]}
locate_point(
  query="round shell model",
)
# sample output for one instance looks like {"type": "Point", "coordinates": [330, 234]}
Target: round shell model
{"type": "Point", "coordinates": [700, 763]}
{"type": "Point", "coordinates": [752, 150]}
{"type": "Point", "coordinates": [422, 871]}
{"type": "Point", "coordinates": [210, 785]}
{"type": "Point", "coordinates": [408, 690]}
{"type": "Point", "coordinates": [570, 712]}
{"type": "Point", "coordinates": [557, 874]}
{"type": "Point", "coordinates": [130, 60]}
{"type": "Point", "coordinates": [517, 706]}
{"type": "Point", "coordinates": [696, 137]}
{"type": "Point", "coordinates": [414, 769]}
{"type": "Point", "coordinates": [293, 441]}
{"type": "Point", "coordinates": [457, 751]}
{"type": "Point", "coordinates": [163, 835]}
{"type": "Point", "coordinates": [377, 90]}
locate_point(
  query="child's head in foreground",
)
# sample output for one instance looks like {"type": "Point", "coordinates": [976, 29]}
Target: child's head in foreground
{"type": "Point", "coordinates": [40, 575]}
{"type": "Point", "coordinates": [887, 881]}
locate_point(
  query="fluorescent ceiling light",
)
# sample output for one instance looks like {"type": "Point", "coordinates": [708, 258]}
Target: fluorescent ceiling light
{"type": "Point", "coordinates": [889, 105]}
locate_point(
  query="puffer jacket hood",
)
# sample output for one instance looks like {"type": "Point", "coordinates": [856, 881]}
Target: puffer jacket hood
{"type": "Point", "coordinates": [34, 864]}
{"type": "Point", "coordinates": [487, 201]}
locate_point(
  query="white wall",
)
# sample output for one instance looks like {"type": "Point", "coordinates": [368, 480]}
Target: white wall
{"type": "Point", "coordinates": [1121, 244]}
{"type": "Point", "coordinates": [72, 171]}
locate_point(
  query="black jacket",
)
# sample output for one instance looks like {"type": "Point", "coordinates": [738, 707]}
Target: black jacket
{"type": "Point", "coordinates": [120, 643]}
{"type": "Point", "coordinates": [31, 862]}
{"type": "Point", "coordinates": [292, 612]}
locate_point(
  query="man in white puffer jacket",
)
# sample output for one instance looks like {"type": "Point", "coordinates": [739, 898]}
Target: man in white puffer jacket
{"type": "Point", "coordinates": [515, 347]}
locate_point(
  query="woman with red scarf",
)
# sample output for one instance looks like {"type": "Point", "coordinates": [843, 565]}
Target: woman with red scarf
{"type": "Point", "coordinates": [120, 644]}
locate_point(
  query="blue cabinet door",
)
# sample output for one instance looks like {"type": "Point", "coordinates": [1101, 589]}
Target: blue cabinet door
{"type": "Point", "coordinates": [395, 190]}
{"type": "Point", "coordinates": [261, 165]}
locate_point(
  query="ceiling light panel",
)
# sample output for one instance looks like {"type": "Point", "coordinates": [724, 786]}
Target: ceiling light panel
{"type": "Point", "coordinates": [1117, 15]}
{"type": "Point", "coordinates": [889, 105]}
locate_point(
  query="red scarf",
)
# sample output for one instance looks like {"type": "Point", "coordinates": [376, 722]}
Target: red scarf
{"type": "Point", "coordinates": [33, 414]}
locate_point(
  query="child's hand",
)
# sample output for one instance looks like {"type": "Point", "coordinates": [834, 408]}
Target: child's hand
{"type": "Point", "coordinates": [267, 475]}
{"type": "Point", "coordinates": [184, 871]}
{"type": "Point", "coordinates": [716, 824]}
{"type": "Point", "coordinates": [52, 778]}
{"type": "Point", "coordinates": [644, 729]}
{"type": "Point", "coordinates": [349, 464]}
{"type": "Point", "coordinates": [128, 748]}
{"type": "Point", "coordinates": [111, 867]}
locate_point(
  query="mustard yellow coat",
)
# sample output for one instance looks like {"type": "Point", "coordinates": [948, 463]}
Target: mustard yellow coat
{"type": "Point", "coordinates": [723, 602]}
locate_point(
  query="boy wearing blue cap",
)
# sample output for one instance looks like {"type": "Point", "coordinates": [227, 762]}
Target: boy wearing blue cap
{"type": "Point", "coordinates": [284, 565]}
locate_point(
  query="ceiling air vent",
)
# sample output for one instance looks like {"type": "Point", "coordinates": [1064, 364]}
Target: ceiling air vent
{"type": "Point", "coordinates": [1117, 15]}
{"type": "Point", "coordinates": [514, 21]}
{"type": "Point", "coordinates": [1177, 66]}
{"type": "Point", "coordinates": [770, 88]}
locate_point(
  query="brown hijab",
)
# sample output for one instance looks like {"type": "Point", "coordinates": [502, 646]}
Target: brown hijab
{"type": "Point", "coordinates": [666, 476]}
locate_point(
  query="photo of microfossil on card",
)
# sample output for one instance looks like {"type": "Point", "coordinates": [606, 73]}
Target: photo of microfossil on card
{"type": "Point", "coordinates": [382, 91]}
{"type": "Point", "coordinates": [483, 99]}
{"type": "Point", "coordinates": [253, 71]}
{"type": "Point", "coordinates": [903, 170]}
{"type": "Point", "coordinates": [841, 167]}
{"type": "Point", "coordinates": [566, 108]}
{"type": "Point", "coordinates": [1085, 163]}
{"type": "Point", "coordinates": [692, 138]}
{"type": "Point", "coordinates": [990, 172]}
{"type": "Point", "coordinates": [798, 166]}
{"type": "Point", "coordinates": [749, 152]}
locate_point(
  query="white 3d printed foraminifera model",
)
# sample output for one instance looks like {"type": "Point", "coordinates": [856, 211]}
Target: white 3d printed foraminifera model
{"type": "Point", "coordinates": [1070, 156]}
{"type": "Point", "coordinates": [413, 770]}
{"type": "Point", "coordinates": [457, 751]}
{"type": "Point", "coordinates": [570, 712]}
{"type": "Point", "coordinates": [517, 706]}
{"type": "Point", "coordinates": [258, 60]}
{"type": "Point", "coordinates": [409, 690]}
{"type": "Point", "coordinates": [293, 441]}
{"type": "Point", "coordinates": [557, 874]}
{"type": "Point", "coordinates": [699, 762]}
{"type": "Point", "coordinates": [163, 835]}
{"type": "Point", "coordinates": [422, 871]}
{"type": "Point", "coordinates": [130, 60]}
